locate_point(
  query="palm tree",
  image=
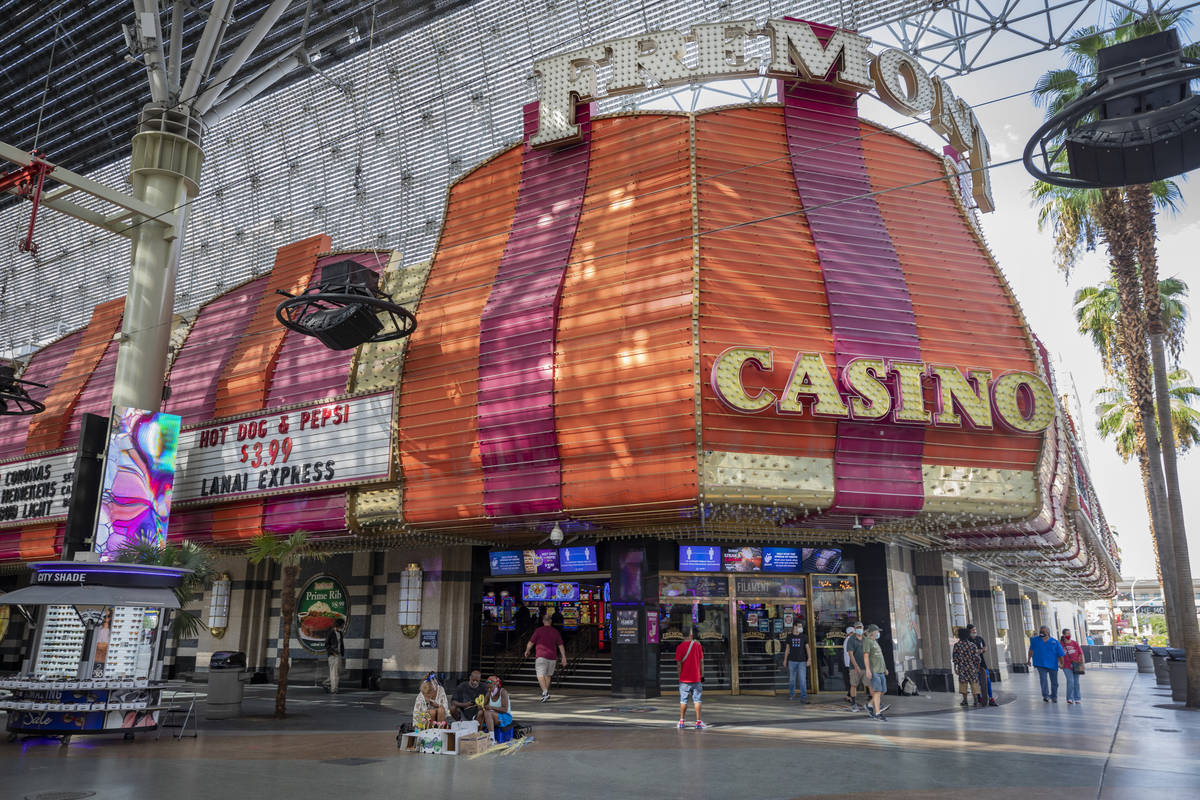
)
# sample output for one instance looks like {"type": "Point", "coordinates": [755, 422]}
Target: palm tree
{"type": "Point", "coordinates": [287, 553]}
{"type": "Point", "coordinates": [1097, 308]}
{"type": "Point", "coordinates": [1125, 221]}
{"type": "Point", "coordinates": [185, 555]}
{"type": "Point", "coordinates": [1117, 415]}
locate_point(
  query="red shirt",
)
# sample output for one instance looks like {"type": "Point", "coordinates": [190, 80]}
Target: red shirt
{"type": "Point", "coordinates": [545, 641]}
{"type": "Point", "coordinates": [1073, 650]}
{"type": "Point", "coordinates": [689, 663]}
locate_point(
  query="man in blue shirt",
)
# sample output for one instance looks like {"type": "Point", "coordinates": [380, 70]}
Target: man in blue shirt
{"type": "Point", "coordinates": [1046, 654]}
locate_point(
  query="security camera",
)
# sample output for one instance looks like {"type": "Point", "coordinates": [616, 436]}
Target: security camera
{"type": "Point", "coordinates": [868, 522]}
{"type": "Point", "coordinates": [556, 535]}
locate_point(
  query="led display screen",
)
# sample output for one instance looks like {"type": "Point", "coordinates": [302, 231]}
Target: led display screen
{"type": "Point", "coordinates": [538, 562]}
{"type": "Point", "coordinates": [822, 559]}
{"type": "Point", "coordinates": [139, 473]}
{"type": "Point", "coordinates": [781, 559]}
{"type": "Point", "coordinates": [577, 559]}
{"type": "Point", "coordinates": [699, 558]}
{"type": "Point", "coordinates": [742, 559]}
{"type": "Point", "coordinates": [507, 562]}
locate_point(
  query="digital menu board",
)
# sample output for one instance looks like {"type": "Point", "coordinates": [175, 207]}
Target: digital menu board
{"type": "Point", "coordinates": [539, 562]}
{"type": "Point", "coordinates": [742, 559]}
{"type": "Point", "coordinates": [507, 562]}
{"type": "Point", "coordinates": [699, 558]}
{"type": "Point", "coordinates": [781, 559]}
{"type": "Point", "coordinates": [577, 559]}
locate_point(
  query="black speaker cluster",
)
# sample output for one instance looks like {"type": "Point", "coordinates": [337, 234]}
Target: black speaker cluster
{"type": "Point", "coordinates": [346, 309]}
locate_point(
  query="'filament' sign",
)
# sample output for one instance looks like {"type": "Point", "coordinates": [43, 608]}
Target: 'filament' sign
{"type": "Point", "coordinates": [798, 50]}
{"type": "Point", "coordinates": [296, 449]}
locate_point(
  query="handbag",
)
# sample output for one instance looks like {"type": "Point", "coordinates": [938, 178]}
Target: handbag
{"type": "Point", "coordinates": [1077, 667]}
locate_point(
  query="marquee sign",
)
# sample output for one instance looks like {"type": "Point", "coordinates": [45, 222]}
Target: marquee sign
{"type": "Point", "coordinates": [303, 448]}
{"type": "Point", "coordinates": [36, 489]}
{"type": "Point", "coordinates": [877, 389]}
{"type": "Point", "coordinates": [723, 50]}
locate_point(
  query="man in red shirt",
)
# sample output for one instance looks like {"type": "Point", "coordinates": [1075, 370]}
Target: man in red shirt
{"type": "Point", "coordinates": [546, 639]}
{"type": "Point", "coordinates": [690, 657]}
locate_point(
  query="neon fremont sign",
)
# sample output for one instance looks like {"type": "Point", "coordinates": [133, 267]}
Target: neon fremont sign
{"type": "Point", "coordinates": [877, 389]}
{"type": "Point", "coordinates": [658, 58]}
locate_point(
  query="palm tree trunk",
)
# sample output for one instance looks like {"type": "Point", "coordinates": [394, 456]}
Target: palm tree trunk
{"type": "Point", "coordinates": [1142, 229]}
{"type": "Point", "coordinates": [287, 610]}
{"type": "Point", "coordinates": [1115, 224]}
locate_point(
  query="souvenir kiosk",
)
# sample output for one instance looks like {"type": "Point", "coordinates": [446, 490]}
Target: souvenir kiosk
{"type": "Point", "coordinates": [95, 665]}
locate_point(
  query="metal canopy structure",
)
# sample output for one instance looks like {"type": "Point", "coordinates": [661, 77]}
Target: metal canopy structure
{"type": "Point", "coordinates": [85, 58]}
{"type": "Point", "coordinates": [375, 108]}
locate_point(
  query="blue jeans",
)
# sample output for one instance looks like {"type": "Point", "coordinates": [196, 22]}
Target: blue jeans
{"type": "Point", "coordinates": [798, 674]}
{"type": "Point", "coordinates": [1072, 684]}
{"type": "Point", "coordinates": [1049, 678]}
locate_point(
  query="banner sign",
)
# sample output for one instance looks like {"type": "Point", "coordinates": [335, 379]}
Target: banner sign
{"type": "Point", "coordinates": [319, 605]}
{"type": "Point", "coordinates": [301, 449]}
{"type": "Point", "coordinates": [36, 489]}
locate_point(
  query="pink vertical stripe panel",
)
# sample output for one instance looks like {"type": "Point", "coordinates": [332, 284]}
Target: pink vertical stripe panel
{"type": "Point", "coordinates": [192, 524]}
{"type": "Point", "coordinates": [211, 342]}
{"type": "Point", "coordinates": [45, 367]}
{"type": "Point", "coordinates": [96, 397]}
{"type": "Point", "coordinates": [517, 440]}
{"type": "Point", "coordinates": [305, 369]}
{"type": "Point", "coordinates": [322, 515]}
{"type": "Point", "coordinates": [876, 466]}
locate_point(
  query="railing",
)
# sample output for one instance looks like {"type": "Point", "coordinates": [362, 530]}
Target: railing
{"type": "Point", "coordinates": [581, 646]}
{"type": "Point", "coordinates": [1109, 654]}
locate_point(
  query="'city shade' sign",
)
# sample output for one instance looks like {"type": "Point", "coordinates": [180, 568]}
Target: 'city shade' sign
{"type": "Point", "coordinates": [723, 50]}
{"type": "Point", "coordinates": [878, 389]}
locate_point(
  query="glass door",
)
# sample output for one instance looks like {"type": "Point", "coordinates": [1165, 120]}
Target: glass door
{"type": "Point", "coordinates": [835, 606]}
{"type": "Point", "coordinates": [710, 619]}
{"type": "Point", "coordinates": [763, 629]}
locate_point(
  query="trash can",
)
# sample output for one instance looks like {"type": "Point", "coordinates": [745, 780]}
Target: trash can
{"type": "Point", "coordinates": [1177, 670]}
{"type": "Point", "coordinates": [1144, 657]}
{"type": "Point", "coordinates": [227, 675]}
{"type": "Point", "coordinates": [1161, 676]}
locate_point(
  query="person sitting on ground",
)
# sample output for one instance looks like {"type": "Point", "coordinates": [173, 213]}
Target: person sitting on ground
{"type": "Point", "coordinates": [497, 705]}
{"type": "Point", "coordinates": [966, 666]}
{"type": "Point", "coordinates": [431, 709]}
{"type": "Point", "coordinates": [463, 705]}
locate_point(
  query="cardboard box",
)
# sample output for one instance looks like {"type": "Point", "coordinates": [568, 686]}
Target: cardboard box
{"type": "Point", "coordinates": [437, 742]}
{"type": "Point", "coordinates": [473, 743]}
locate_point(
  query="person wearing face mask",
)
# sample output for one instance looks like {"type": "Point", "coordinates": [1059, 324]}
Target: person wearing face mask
{"type": "Point", "coordinates": [846, 662]}
{"type": "Point", "coordinates": [858, 666]}
{"type": "Point", "coordinates": [1072, 666]}
{"type": "Point", "coordinates": [795, 661]}
{"type": "Point", "coordinates": [1046, 654]}
{"type": "Point", "coordinates": [876, 674]}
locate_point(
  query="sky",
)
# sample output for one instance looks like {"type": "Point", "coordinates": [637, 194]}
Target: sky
{"type": "Point", "coordinates": [1027, 260]}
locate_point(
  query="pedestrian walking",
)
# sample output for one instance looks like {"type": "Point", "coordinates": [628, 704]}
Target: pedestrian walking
{"type": "Point", "coordinates": [1073, 665]}
{"type": "Point", "coordinates": [846, 663]}
{"type": "Point", "coordinates": [965, 656]}
{"type": "Point", "coordinates": [795, 661]}
{"type": "Point", "coordinates": [985, 678]}
{"type": "Point", "coordinates": [689, 655]}
{"type": "Point", "coordinates": [858, 666]}
{"type": "Point", "coordinates": [335, 651]}
{"type": "Point", "coordinates": [546, 640]}
{"type": "Point", "coordinates": [876, 673]}
{"type": "Point", "coordinates": [1046, 654]}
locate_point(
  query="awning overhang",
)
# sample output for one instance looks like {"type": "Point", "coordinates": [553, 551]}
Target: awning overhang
{"type": "Point", "coordinates": [91, 596]}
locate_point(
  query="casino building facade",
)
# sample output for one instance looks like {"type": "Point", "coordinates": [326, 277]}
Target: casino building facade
{"type": "Point", "coordinates": [730, 369]}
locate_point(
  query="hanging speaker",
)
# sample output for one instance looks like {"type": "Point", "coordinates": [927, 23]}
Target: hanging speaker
{"type": "Point", "coordinates": [346, 309]}
{"type": "Point", "coordinates": [85, 485]}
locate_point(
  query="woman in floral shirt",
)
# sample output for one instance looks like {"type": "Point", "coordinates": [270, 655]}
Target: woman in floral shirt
{"type": "Point", "coordinates": [966, 665]}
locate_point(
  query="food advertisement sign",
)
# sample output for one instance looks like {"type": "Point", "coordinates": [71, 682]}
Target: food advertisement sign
{"type": "Point", "coordinates": [742, 559]}
{"type": "Point", "coordinates": [321, 603]}
{"type": "Point", "coordinates": [538, 562]}
{"type": "Point", "coordinates": [288, 450]}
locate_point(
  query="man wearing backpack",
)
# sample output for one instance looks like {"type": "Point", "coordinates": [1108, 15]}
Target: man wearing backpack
{"type": "Point", "coordinates": [689, 655]}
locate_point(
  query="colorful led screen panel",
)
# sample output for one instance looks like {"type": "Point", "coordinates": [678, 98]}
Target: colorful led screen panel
{"type": "Point", "coordinates": [821, 559]}
{"type": "Point", "coordinates": [781, 559]}
{"type": "Point", "coordinates": [699, 558]}
{"type": "Point", "coordinates": [538, 562]}
{"type": "Point", "coordinates": [577, 559]}
{"type": "Point", "coordinates": [139, 472]}
{"type": "Point", "coordinates": [742, 559]}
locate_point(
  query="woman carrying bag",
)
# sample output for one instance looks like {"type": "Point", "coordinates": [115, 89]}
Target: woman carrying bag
{"type": "Point", "coordinates": [1073, 666]}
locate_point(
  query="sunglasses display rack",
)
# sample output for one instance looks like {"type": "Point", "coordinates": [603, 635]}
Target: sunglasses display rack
{"type": "Point", "coordinates": [125, 639]}
{"type": "Point", "coordinates": [61, 647]}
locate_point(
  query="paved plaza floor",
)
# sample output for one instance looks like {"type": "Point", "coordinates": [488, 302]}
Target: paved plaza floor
{"type": "Point", "coordinates": [1127, 740]}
